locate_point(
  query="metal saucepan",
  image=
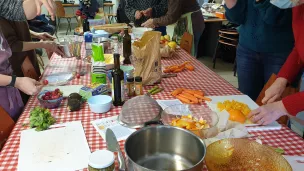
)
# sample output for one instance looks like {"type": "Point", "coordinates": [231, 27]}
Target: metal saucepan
{"type": "Point", "coordinates": [164, 148]}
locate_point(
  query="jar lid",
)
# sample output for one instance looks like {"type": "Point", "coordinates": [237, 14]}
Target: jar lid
{"type": "Point", "coordinates": [101, 159]}
{"type": "Point", "coordinates": [138, 79]}
{"type": "Point", "coordinates": [130, 79]}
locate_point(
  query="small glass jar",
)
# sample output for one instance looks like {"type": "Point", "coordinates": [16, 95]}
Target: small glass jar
{"type": "Point", "coordinates": [138, 86]}
{"type": "Point", "coordinates": [102, 160]}
{"type": "Point", "coordinates": [130, 86]}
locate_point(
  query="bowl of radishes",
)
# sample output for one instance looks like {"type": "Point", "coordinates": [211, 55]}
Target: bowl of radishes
{"type": "Point", "coordinates": [50, 99]}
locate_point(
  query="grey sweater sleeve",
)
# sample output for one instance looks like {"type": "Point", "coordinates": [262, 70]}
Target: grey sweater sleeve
{"type": "Point", "coordinates": [12, 10]}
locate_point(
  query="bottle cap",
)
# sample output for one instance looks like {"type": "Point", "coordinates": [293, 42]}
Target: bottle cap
{"type": "Point", "coordinates": [101, 159]}
{"type": "Point", "coordinates": [138, 79]}
{"type": "Point", "coordinates": [130, 79]}
{"type": "Point", "coordinates": [116, 55]}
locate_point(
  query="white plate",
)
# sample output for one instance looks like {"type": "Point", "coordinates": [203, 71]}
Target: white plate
{"type": "Point", "coordinates": [240, 98]}
{"type": "Point", "coordinates": [66, 90]}
{"type": "Point", "coordinates": [59, 78]}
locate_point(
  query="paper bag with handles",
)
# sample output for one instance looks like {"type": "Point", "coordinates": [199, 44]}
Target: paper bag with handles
{"type": "Point", "coordinates": [146, 58]}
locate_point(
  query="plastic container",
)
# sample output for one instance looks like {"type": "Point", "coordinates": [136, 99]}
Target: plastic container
{"type": "Point", "coordinates": [196, 111]}
{"type": "Point", "coordinates": [138, 32]}
{"type": "Point", "coordinates": [100, 103]}
{"type": "Point", "coordinates": [102, 160]}
{"type": "Point", "coordinates": [49, 104]}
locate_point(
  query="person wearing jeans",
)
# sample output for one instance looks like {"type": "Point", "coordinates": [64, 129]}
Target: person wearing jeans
{"type": "Point", "coordinates": [265, 41]}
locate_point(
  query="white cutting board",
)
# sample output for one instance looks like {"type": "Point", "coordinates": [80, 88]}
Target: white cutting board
{"type": "Point", "coordinates": [244, 99]}
{"type": "Point", "coordinates": [63, 149]}
{"type": "Point", "coordinates": [66, 90]}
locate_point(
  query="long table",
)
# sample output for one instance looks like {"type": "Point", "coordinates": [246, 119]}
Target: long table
{"type": "Point", "coordinates": [202, 78]}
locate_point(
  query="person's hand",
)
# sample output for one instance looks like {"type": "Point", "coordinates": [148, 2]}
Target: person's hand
{"type": "Point", "coordinates": [52, 46]}
{"type": "Point", "coordinates": [148, 12]}
{"type": "Point", "coordinates": [149, 24]}
{"type": "Point", "coordinates": [267, 114]}
{"type": "Point", "coordinates": [44, 36]}
{"type": "Point", "coordinates": [275, 91]}
{"type": "Point", "coordinates": [138, 15]}
{"type": "Point", "coordinates": [28, 85]}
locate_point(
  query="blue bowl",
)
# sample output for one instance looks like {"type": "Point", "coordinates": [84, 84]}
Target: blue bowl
{"type": "Point", "coordinates": [49, 104]}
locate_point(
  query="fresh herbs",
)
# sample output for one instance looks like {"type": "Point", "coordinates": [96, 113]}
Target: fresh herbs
{"type": "Point", "coordinates": [41, 119]}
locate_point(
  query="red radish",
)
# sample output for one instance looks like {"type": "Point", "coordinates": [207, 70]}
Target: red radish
{"type": "Point", "coordinates": [57, 90]}
{"type": "Point", "coordinates": [48, 93]}
{"type": "Point", "coordinates": [45, 82]}
{"type": "Point", "coordinates": [77, 75]}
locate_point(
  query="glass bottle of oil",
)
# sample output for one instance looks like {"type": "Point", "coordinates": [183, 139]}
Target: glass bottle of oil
{"type": "Point", "coordinates": [117, 82]}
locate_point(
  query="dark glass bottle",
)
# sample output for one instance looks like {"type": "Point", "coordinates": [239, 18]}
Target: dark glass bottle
{"type": "Point", "coordinates": [126, 46]}
{"type": "Point", "coordinates": [117, 82]}
{"type": "Point", "coordinates": [85, 25]}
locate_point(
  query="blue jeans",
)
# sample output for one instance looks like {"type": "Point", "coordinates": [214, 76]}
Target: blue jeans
{"type": "Point", "coordinates": [254, 69]}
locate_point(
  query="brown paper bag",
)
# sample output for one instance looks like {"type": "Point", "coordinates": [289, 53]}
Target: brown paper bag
{"type": "Point", "coordinates": [146, 58]}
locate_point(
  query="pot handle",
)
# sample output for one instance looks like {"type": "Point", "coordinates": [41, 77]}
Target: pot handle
{"type": "Point", "coordinates": [153, 123]}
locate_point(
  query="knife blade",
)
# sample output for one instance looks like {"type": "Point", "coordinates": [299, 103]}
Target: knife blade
{"type": "Point", "coordinates": [112, 145]}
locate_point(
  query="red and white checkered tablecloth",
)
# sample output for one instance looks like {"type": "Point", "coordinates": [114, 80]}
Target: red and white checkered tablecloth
{"type": "Point", "coordinates": [202, 78]}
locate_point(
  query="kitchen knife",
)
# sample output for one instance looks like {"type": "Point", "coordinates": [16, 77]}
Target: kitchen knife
{"type": "Point", "coordinates": [113, 146]}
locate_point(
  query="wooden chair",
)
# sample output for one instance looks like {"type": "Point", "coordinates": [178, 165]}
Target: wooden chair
{"type": "Point", "coordinates": [60, 13]}
{"type": "Point", "coordinates": [186, 42]}
{"type": "Point", "coordinates": [228, 38]}
{"type": "Point", "coordinates": [112, 17]}
{"type": "Point", "coordinates": [6, 126]}
{"type": "Point", "coordinates": [288, 91]}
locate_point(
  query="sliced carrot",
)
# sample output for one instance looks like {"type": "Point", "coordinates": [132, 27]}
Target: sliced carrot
{"type": "Point", "coordinates": [184, 100]}
{"type": "Point", "coordinates": [177, 70]}
{"type": "Point", "coordinates": [167, 71]}
{"type": "Point", "coordinates": [177, 91]}
{"type": "Point", "coordinates": [204, 98]}
{"type": "Point", "coordinates": [189, 67]}
{"type": "Point", "coordinates": [189, 97]}
{"type": "Point", "coordinates": [185, 63]}
{"type": "Point", "coordinates": [194, 92]}
{"type": "Point", "coordinates": [173, 67]}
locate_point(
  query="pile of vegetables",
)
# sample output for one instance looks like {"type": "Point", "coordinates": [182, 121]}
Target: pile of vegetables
{"type": "Point", "coordinates": [41, 119]}
{"type": "Point", "coordinates": [189, 96]}
{"type": "Point", "coordinates": [179, 68]}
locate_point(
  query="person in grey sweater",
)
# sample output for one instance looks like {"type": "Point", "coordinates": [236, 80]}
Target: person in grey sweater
{"type": "Point", "coordinates": [139, 11]}
{"type": "Point", "coordinates": [14, 9]}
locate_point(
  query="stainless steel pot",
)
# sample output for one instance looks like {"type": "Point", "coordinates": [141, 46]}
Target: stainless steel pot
{"type": "Point", "coordinates": [164, 148]}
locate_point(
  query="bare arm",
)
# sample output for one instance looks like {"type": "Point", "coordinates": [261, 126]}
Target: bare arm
{"type": "Point", "coordinates": [230, 3]}
{"type": "Point", "coordinates": [31, 46]}
{"type": "Point", "coordinates": [5, 80]}
{"type": "Point", "coordinates": [25, 84]}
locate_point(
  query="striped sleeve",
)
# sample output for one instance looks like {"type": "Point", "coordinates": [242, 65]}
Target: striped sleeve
{"type": "Point", "coordinates": [12, 10]}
